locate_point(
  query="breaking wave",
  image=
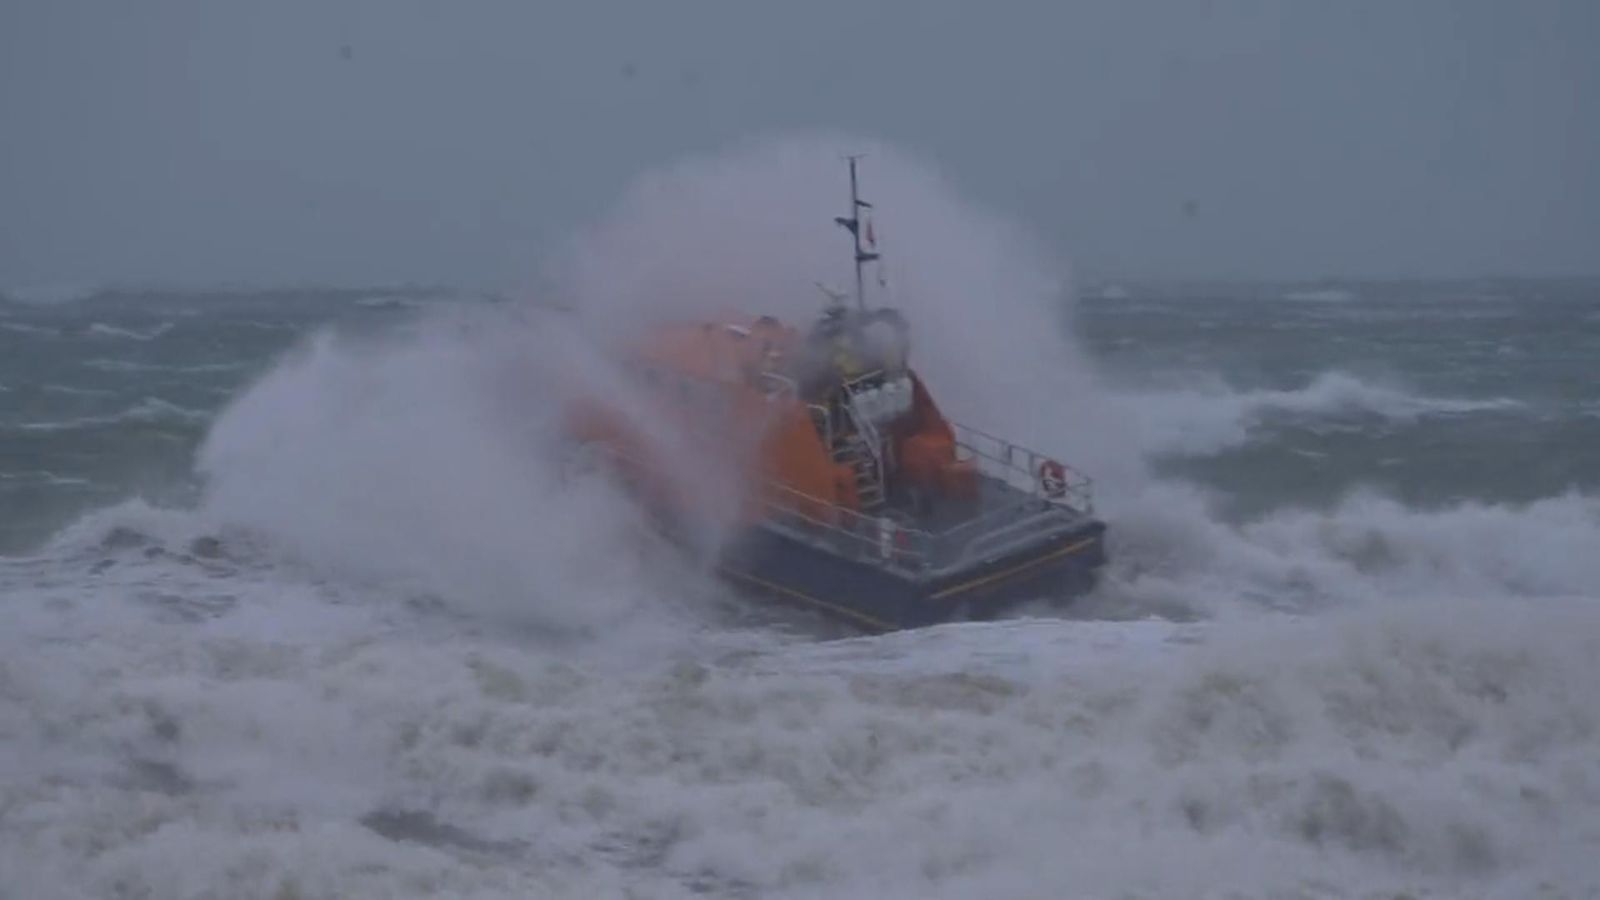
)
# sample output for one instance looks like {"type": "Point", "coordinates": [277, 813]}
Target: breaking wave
{"type": "Point", "coordinates": [431, 462]}
{"type": "Point", "coordinates": [1208, 418]}
{"type": "Point", "coordinates": [1429, 748]}
{"type": "Point", "coordinates": [1173, 555]}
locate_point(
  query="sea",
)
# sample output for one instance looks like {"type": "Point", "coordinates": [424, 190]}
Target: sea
{"type": "Point", "coordinates": [292, 608]}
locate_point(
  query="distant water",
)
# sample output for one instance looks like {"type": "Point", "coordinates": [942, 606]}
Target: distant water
{"type": "Point", "coordinates": [269, 559]}
{"type": "Point", "coordinates": [1429, 393]}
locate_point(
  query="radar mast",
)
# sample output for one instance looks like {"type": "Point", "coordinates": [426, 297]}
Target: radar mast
{"type": "Point", "coordinates": [852, 224]}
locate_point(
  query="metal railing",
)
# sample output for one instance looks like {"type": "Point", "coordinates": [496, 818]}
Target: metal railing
{"type": "Point", "coordinates": [883, 540]}
{"type": "Point", "coordinates": [1022, 468]}
{"type": "Point", "coordinates": [878, 539]}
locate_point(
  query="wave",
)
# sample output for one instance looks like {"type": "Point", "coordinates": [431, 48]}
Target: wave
{"type": "Point", "coordinates": [1427, 750]}
{"type": "Point", "coordinates": [73, 391]}
{"type": "Point", "coordinates": [25, 328]}
{"type": "Point", "coordinates": [1173, 555]}
{"type": "Point", "coordinates": [95, 330]}
{"type": "Point", "coordinates": [101, 329]}
{"type": "Point", "coordinates": [148, 411]}
{"type": "Point", "coordinates": [1321, 295]}
{"type": "Point", "coordinates": [431, 461]}
{"type": "Point", "coordinates": [387, 301]}
{"type": "Point", "coordinates": [128, 365]}
{"type": "Point", "coordinates": [45, 477]}
{"type": "Point", "coordinates": [51, 294]}
{"type": "Point", "coordinates": [1208, 419]}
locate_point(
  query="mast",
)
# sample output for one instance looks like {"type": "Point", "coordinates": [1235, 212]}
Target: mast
{"type": "Point", "coordinates": [852, 224]}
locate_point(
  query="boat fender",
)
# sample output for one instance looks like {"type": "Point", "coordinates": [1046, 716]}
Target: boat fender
{"type": "Point", "coordinates": [1053, 478]}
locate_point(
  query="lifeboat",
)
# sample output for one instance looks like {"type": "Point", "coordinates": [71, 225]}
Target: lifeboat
{"type": "Point", "coordinates": [816, 467]}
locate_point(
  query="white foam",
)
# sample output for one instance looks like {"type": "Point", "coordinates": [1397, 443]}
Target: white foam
{"type": "Point", "coordinates": [1173, 555]}
{"type": "Point", "coordinates": [101, 329]}
{"type": "Point", "coordinates": [1209, 417]}
{"type": "Point", "coordinates": [292, 744]}
{"type": "Point", "coordinates": [128, 365]}
{"type": "Point", "coordinates": [429, 461]}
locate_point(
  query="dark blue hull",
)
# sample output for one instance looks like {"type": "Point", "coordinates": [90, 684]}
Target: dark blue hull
{"type": "Point", "coordinates": [880, 598]}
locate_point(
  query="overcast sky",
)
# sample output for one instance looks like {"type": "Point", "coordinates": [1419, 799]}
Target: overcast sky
{"type": "Point", "coordinates": [385, 140]}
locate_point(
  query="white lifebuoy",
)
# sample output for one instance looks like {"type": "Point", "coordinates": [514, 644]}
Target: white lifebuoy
{"type": "Point", "coordinates": [1053, 478]}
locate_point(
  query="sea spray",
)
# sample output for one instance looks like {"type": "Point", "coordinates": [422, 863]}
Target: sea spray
{"type": "Point", "coordinates": [751, 229]}
{"type": "Point", "coordinates": [433, 458]}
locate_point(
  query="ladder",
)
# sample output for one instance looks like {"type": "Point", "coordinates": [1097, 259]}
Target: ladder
{"type": "Point", "coordinates": [854, 450]}
{"type": "Point", "coordinates": [860, 447]}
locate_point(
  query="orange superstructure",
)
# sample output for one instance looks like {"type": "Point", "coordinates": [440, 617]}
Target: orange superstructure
{"type": "Point", "coordinates": [729, 395]}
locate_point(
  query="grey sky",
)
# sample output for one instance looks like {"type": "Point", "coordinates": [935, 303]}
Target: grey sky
{"type": "Point", "coordinates": [207, 141]}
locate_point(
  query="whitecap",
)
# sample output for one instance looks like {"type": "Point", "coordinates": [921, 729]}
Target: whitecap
{"type": "Point", "coordinates": [128, 365]}
{"type": "Point", "coordinates": [73, 391]}
{"type": "Point", "coordinates": [1209, 418]}
{"type": "Point", "coordinates": [150, 410]}
{"type": "Point", "coordinates": [101, 329]}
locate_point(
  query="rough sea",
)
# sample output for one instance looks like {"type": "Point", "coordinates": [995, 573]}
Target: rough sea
{"type": "Point", "coordinates": [295, 603]}
{"type": "Point", "coordinates": [278, 620]}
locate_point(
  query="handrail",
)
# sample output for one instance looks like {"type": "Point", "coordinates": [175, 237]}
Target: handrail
{"type": "Point", "coordinates": [886, 540]}
{"type": "Point", "coordinates": [1077, 488]}
{"type": "Point", "coordinates": [879, 536]}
